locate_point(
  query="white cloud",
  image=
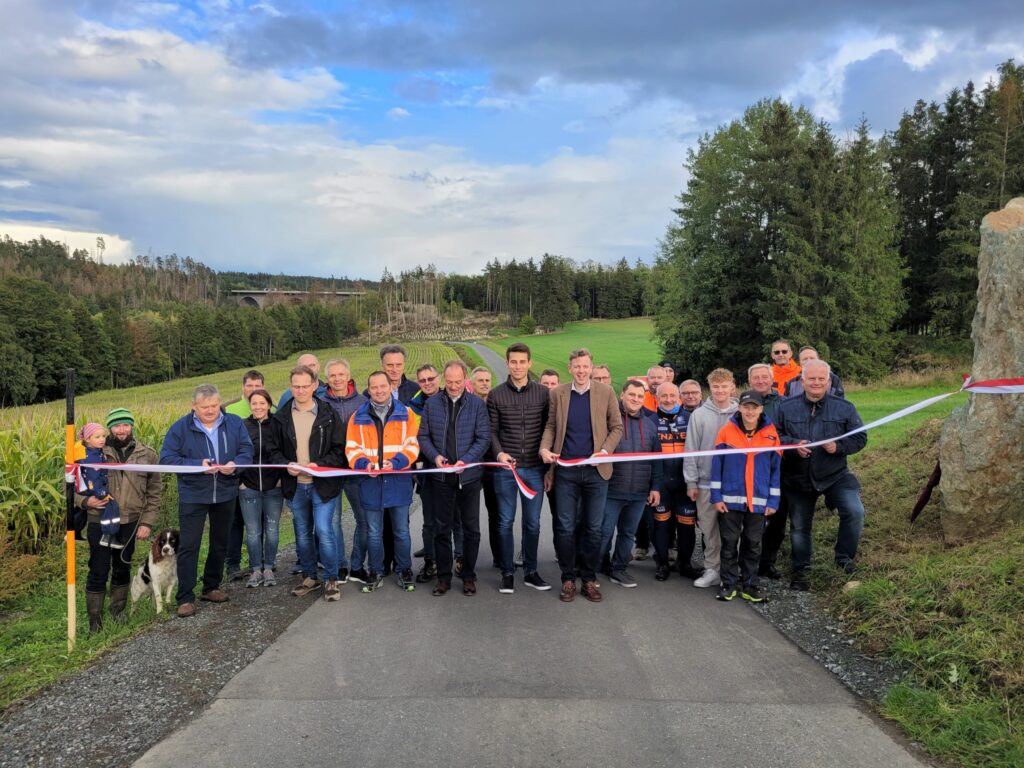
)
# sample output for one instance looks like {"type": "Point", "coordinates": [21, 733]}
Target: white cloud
{"type": "Point", "coordinates": [398, 113]}
{"type": "Point", "coordinates": [117, 250]}
{"type": "Point", "coordinates": [14, 183]}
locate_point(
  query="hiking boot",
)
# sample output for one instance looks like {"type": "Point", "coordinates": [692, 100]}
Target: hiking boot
{"type": "Point", "coordinates": [215, 596]}
{"type": "Point", "coordinates": [255, 579]}
{"type": "Point", "coordinates": [307, 585]}
{"type": "Point", "coordinates": [708, 579]}
{"type": "Point", "coordinates": [623, 579]}
{"type": "Point", "coordinates": [800, 582]}
{"type": "Point", "coordinates": [331, 592]}
{"type": "Point", "coordinates": [591, 592]}
{"type": "Point", "coordinates": [441, 588]}
{"type": "Point", "coordinates": [534, 580]}
{"type": "Point", "coordinates": [769, 571]}
{"type": "Point", "coordinates": [358, 574]}
{"type": "Point", "coordinates": [568, 593]}
{"type": "Point", "coordinates": [752, 593]}
{"type": "Point", "coordinates": [269, 578]}
{"type": "Point", "coordinates": [725, 592]}
{"type": "Point", "coordinates": [406, 582]}
{"type": "Point", "coordinates": [373, 581]}
{"type": "Point", "coordinates": [427, 572]}
{"type": "Point", "coordinates": [508, 585]}
{"type": "Point", "coordinates": [661, 572]}
{"type": "Point", "coordinates": [640, 553]}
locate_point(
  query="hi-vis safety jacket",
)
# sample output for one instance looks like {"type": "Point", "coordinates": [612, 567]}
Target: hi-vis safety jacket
{"type": "Point", "coordinates": [370, 443]}
{"type": "Point", "coordinates": [747, 482]}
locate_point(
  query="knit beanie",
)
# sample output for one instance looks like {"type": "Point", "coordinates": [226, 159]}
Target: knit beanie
{"type": "Point", "coordinates": [120, 416]}
{"type": "Point", "coordinates": [89, 430]}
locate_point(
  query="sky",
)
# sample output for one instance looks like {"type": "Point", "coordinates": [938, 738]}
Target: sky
{"type": "Point", "coordinates": [340, 138]}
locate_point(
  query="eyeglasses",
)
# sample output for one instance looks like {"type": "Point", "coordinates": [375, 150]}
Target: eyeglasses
{"type": "Point", "coordinates": [426, 380]}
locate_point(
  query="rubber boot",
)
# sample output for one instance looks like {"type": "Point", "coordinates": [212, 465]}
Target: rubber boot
{"type": "Point", "coordinates": [118, 601]}
{"type": "Point", "coordinates": [94, 605]}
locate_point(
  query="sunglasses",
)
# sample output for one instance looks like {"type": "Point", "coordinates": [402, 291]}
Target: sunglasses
{"type": "Point", "coordinates": [426, 380]}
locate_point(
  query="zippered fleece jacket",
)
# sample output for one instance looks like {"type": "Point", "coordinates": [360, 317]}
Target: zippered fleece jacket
{"type": "Point", "coordinates": [747, 482]}
{"type": "Point", "coordinates": [326, 447]}
{"type": "Point", "coordinates": [701, 432]}
{"type": "Point", "coordinates": [186, 445]}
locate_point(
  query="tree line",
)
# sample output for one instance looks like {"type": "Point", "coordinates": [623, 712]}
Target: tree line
{"type": "Point", "coordinates": [787, 231]}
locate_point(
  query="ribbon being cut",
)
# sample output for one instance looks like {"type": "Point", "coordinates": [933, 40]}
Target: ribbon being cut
{"type": "Point", "coordinates": [991, 386]}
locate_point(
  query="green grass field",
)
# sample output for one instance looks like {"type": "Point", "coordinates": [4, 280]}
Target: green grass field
{"type": "Point", "coordinates": [627, 347]}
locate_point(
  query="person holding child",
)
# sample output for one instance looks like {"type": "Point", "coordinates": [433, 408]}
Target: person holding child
{"type": "Point", "coordinates": [137, 496]}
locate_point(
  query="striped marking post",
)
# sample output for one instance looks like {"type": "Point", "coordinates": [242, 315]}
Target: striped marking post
{"type": "Point", "coordinates": [69, 494]}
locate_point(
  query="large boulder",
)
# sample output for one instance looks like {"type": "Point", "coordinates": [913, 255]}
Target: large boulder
{"type": "Point", "coordinates": [982, 443]}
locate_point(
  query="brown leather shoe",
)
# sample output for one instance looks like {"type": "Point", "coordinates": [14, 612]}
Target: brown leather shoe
{"type": "Point", "coordinates": [568, 591]}
{"type": "Point", "coordinates": [215, 596]}
{"type": "Point", "coordinates": [443, 585]}
{"type": "Point", "coordinates": [591, 592]}
{"type": "Point", "coordinates": [186, 610]}
{"type": "Point", "coordinates": [469, 587]}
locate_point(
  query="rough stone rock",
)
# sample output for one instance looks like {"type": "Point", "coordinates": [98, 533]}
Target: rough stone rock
{"type": "Point", "coordinates": [982, 445]}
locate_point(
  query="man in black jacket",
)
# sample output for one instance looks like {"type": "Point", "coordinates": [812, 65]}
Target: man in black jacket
{"type": "Point", "coordinates": [518, 410]}
{"type": "Point", "coordinates": [308, 432]}
{"type": "Point", "coordinates": [808, 473]}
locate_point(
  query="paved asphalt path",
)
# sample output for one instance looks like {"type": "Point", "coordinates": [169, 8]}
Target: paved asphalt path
{"type": "Point", "coordinates": [492, 360]}
{"type": "Point", "coordinates": [660, 675]}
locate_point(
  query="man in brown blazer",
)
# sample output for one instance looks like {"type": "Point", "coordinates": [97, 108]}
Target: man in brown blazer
{"type": "Point", "coordinates": [583, 421]}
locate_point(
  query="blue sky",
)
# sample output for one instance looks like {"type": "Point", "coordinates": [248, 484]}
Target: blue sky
{"type": "Point", "coordinates": [342, 137]}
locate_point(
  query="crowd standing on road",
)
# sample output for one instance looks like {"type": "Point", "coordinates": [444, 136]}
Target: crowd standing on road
{"type": "Point", "coordinates": [604, 515]}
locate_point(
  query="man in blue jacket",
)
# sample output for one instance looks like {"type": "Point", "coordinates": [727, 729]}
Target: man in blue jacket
{"type": "Point", "coordinates": [633, 483]}
{"type": "Point", "coordinates": [808, 473]}
{"type": "Point", "coordinates": [206, 437]}
{"type": "Point", "coordinates": [455, 430]}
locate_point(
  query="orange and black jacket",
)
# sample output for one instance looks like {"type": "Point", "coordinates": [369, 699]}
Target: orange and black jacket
{"type": "Point", "coordinates": [747, 482]}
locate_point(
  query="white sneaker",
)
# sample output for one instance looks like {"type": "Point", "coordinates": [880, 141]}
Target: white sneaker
{"type": "Point", "coordinates": [709, 579]}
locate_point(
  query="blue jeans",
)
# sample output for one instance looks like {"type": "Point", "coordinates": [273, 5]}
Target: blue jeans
{"type": "Point", "coordinates": [339, 534]}
{"type": "Point", "coordinates": [399, 517]}
{"type": "Point", "coordinates": [844, 496]}
{"type": "Point", "coordinates": [508, 494]}
{"type": "Point", "coordinates": [625, 516]}
{"type": "Point", "coordinates": [311, 512]}
{"type": "Point", "coordinates": [579, 499]}
{"type": "Point", "coordinates": [351, 488]}
{"type": "Point", "coordinates": [261, 511]}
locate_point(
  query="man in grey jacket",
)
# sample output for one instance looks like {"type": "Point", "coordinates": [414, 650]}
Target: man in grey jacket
{"type": "Point", "coordinates": [701, 432]}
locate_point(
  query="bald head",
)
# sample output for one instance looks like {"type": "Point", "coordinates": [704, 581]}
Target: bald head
{"type": "Point", "coordinates": [668, 395]}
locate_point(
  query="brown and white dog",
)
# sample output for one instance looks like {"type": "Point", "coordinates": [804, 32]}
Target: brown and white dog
{"type": "Point", "coordinates": [159, 574]}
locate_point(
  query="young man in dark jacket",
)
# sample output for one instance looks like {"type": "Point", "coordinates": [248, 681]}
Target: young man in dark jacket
{"type": "Point", "coordinates": [206, 437]}
{"type": "Point", "coordinates": [808, 473]}
{"type": "Point", "coordinates": [454, 430]}
{"type": "Point", "coordinates": [307, 432]}
{"type": "Point", "coordinates": [633, 484]}
{"type": "Point", "coordinates": [517, 410]}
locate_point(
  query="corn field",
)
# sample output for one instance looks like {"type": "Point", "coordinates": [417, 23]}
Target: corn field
{"type": "Point", "coordinates": [32, 510]}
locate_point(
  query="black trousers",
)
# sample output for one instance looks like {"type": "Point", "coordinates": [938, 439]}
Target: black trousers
{"type": "Point", "coordinates": [493, 514]}
{"type": "Point", "coordinates": [452, 502]}
{"type": "Point", "coordinates": [774, 534]}
{"type": "Point", "coordinates": [107, 562]}
{"type": "Point", "coordinates": [741, 534]}
{"type": "Point", "coordinates": [191, 520]}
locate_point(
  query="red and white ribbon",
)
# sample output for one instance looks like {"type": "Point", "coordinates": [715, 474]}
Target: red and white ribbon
{"type": "Point", "coordinates": [990, 386]}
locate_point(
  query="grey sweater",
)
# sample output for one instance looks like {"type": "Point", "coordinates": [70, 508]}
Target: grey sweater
{"type": "Point", "coordinates": [705, 422]}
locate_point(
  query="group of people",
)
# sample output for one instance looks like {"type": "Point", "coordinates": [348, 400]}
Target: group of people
{"type": "Point", "coordinates": [563, 438]}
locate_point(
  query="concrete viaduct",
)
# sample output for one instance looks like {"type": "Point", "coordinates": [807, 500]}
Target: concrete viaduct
{"type": "Point", "coordinates": [262, 299]}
